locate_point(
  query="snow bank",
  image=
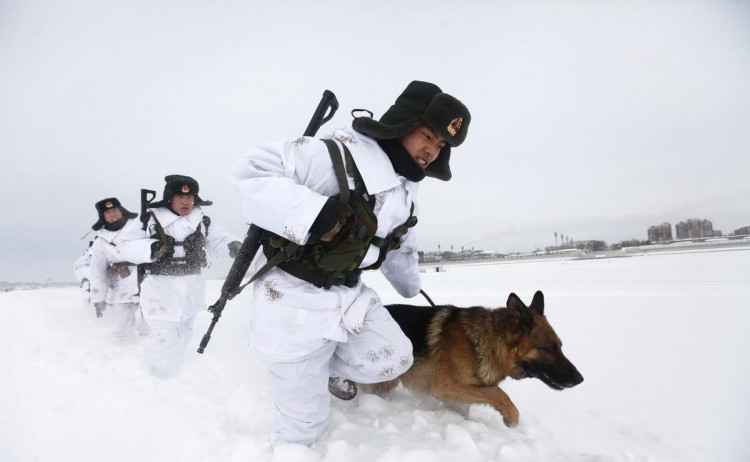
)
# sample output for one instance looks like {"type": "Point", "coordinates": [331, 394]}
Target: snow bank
{"type": "Point", "coordinates": [660, 339]}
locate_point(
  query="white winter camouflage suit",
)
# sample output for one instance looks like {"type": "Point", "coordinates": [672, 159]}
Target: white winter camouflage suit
{"type": "Point", "coordinates": [169, 303]}
{"type": "Point", "coordinates": [303, 333]}
{"type": "Point", "coordinates": [122, 296]}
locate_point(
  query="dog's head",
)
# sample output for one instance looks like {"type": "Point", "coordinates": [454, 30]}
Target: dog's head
{"type": "Point", "coordinates": [539, 349]}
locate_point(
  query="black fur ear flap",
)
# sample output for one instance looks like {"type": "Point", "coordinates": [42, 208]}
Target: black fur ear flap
{"type": "Point", "coordinates": [537, 304]}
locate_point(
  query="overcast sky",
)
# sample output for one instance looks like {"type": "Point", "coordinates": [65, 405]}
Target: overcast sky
{"type": "Point", "coordinates": [591, 119]}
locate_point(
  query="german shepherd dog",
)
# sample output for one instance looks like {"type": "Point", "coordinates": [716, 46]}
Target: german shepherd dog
{"type": "Point", "coordinates": [462, 354]}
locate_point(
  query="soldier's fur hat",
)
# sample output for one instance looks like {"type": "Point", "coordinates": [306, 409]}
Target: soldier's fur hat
{"type": "Point", "coordinates": [422, 103]}
{"type": "Point", "coordinates": [109, 204]}
{"type": "Point", "coordinates": [179, 185]}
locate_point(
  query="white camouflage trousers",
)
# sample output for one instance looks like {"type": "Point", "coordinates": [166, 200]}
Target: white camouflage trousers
{"type": "Point", "coordinates": [167, 344]}
{"type": "Point", "coordinates": [121, 320]}
{"type": "Point", "coordinates": [373, 351]}
{"type": "Point", "coordinates": [169, 305]}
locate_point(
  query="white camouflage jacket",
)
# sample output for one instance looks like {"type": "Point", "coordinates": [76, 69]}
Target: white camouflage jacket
{"type": "Point", "coordinates": [82, 266]}
{"type": "Point", "coordinates": [104, 252]}
{"type": "Point", "coordinates": [283, 186]}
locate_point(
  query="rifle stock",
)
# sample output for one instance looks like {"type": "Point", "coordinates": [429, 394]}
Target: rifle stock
{"type": "Point", "coordinates": [145, 200]}
{"type": "Point", "coordinates": [328, 101]}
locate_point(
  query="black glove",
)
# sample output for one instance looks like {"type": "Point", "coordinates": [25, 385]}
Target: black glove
{"type": "Point", "coordinates": [161, 250]}
{"type": "Point", "coordinates": [122, 269]}
{"type": "Point", "coordinates": [100, 307]}
{"type": "Point", "coordinates": [333, 212]}
{"type": "Point", "coordinates": [234, 248]}
{"type": "Point", "coordinates": [115, 272]}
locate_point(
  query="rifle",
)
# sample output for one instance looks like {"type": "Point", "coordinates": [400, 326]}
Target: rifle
{"type": "Point", "coordinates": [145, 215]}
{"type": "Point", "coordinates": [145, 200]}
{"type": "Point", "coordinates": [231, 287]}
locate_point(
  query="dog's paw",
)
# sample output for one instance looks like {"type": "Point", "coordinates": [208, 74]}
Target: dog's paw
{"type": "Point", "coordinates": [460, 409]}
{"type": "Point", "coordinates": [510, 423]}
{"type": "Point", "coordinates": [510, 417]}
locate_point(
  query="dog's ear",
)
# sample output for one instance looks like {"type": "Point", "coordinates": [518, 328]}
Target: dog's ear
{"type": "Point", "coordinates": [514, 303]}
{"type": "Point", "coordinates": [537, 304]}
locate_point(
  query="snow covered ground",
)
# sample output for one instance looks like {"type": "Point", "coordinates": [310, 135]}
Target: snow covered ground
{"type": "Point", "coordinates": [661, 339]}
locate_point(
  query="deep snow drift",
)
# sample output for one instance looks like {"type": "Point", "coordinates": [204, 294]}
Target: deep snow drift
{"type": "Point", "coordinates": [661, 339]}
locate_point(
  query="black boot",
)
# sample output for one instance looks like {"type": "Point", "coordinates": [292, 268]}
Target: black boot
{"type": "Point", "coordinates": [342, 388]}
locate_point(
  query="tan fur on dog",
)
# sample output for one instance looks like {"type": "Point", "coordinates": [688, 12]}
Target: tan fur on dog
{"type": "Point", "coordinates": [462, 354]}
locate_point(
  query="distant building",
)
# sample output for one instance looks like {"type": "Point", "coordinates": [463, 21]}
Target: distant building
{"type": "Point", "coordinates": [660, 233]}
{"type": "Point", "coordinates": [695, 228]}
{"type": "Point", "coordinates": [745, 230]}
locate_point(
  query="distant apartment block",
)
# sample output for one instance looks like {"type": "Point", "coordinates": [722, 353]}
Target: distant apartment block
{"type": "Point", "coordinates": [695, 228]}
{"type": "Point", "coordinates": [660, 233]}
{"type": "Point", "coordinates": [745, 230]}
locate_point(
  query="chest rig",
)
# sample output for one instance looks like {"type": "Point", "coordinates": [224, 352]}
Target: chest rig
{"type": "Point", "coordinates": [336, 262]}
{"type": "Point", "coordinates": [195, 254]}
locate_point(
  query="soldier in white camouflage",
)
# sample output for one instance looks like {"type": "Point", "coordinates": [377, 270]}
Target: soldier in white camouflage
{"type": "Point", "coordinates": [317, 327]}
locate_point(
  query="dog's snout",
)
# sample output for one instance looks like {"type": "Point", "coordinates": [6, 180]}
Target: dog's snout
{"type": "Point", "coordinates": [575, 379]}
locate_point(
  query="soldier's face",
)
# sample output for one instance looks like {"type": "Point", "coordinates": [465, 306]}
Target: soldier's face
{"type": "Point", "coordinates": [423, 145]}
{"type": "Point", "coordinates": [112, 215]}
{"type": "Point", "coordinates": [182, 205]}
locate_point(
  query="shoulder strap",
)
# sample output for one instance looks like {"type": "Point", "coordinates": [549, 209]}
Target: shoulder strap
{"type": "Point", "coordinates": [393, 240]}
{"type": "Point", "coordinates": [338, 168]}
{"type": "Point", "coordinates": [285, 254]}
{"type": "Point", "coordinates": [351, 167]}
{"type": "Point", "coordinates": [206, 223]}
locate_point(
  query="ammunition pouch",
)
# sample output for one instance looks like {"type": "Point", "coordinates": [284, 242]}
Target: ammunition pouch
{"type": "Point", "coordinates": [195, 255]}
{"type": "Point", "coordinates": [345, 251]}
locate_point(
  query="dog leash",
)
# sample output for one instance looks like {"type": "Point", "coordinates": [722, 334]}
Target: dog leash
{"type": "Point", "coordinates": [427, 297]}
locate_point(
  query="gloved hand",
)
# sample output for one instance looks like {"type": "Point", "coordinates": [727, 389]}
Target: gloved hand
{"type": "Point", "coordinates": [122, 269]}
{"type": "Point", "coordinates": [100, 307]}
{"type": "Point", "coordinates": [234, 248]}
{"type": "Point", "coordinates": [163, 249]}
{"type": "Point", "coordinates": [115, 272]}
{"type": "Point", "coordinates": [333, 214]}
